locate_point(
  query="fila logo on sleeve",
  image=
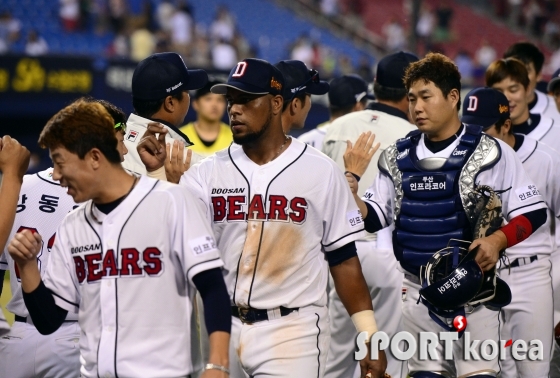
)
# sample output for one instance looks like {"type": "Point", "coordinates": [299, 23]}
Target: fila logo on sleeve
{"type": "Point", "coordinates": [473, 103]}
{"type": "Point", "coordinates": [240, 69]}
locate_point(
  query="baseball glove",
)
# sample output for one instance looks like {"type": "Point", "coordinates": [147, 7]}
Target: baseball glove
{"type": "Point", "coordinates": [487, 213]}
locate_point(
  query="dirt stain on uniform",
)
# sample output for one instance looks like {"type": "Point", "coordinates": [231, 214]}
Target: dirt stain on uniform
{"type": "Point", "coordinates": [250, 248]}
{"type": "Point", "coordinates": [280, 252]}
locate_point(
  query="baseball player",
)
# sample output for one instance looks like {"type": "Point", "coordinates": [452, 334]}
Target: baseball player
{"type": "Point", "coordinates": [299, 84]}
{"type": "Point", "coordinates": [417, 190]}
{"type": "Point", "coordinates": [282, 214]}
{"type": "Point", "coordinates": [107, 262]}
{"type": "Point", "coordinates": [509, 76]}
{"type": "Point", "coordinates": [387, 119]}
{"type": "Point", "coordinates": [160, 86]}
{"type": "Point", "coordinates": [14, 160]}
{"type": "Point", "coordinates": [533, 59]}
{"type": "Point", "coordinates": [554, 89]}
{"type": "Point", "coordinates": [43, 204]}
{"type": "Point", "coordinates": [527, 270]}
{"type": "Point", "coordinates": [347, 94]}
{"type": "Point", "coordinates": [208, 133]}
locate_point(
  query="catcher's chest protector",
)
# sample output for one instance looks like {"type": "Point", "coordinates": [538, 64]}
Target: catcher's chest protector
{"type": "Point", "coordinates": [432, 204]}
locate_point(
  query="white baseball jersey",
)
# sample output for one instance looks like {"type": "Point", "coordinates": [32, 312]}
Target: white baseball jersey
{"type": "Point", "coordinates": [521, 195]}
{"type": "Point", "coordinates": [386, 127]}
{"type": "Point", "coordinates": [42, 206]}
{"type": "Point", "coordinates": [547, 132]}
{"type": "Point", "coordinates": [136, 126]}
{"type": "Point", "coordinates": [546, 106]}
{"type": "Point", "coordinates": [129, 275]}
{"type": "Point", "coordinates": [541, 164]}
{"type": "Point", "coordinates": [316, 136]}
{"type": "Point", "coordinates": [274, 222]}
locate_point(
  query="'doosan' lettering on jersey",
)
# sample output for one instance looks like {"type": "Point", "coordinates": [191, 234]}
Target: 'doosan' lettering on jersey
{"type": "Point", "coordinates": [280, 208]}
{"type": "Point", "coordinates": [131, 263]}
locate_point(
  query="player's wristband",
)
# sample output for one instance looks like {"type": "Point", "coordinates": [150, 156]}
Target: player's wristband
{"type": "Point", "coordinates": [517, 230]}
{"type": "Point", "coordinates": [355, 175]}
{"type": "Point", "coordinates": [364, 321]}
{"type": "Point", "coordinates": [158, 174]}
{"type": "Point", "coordinates": [217, 367]}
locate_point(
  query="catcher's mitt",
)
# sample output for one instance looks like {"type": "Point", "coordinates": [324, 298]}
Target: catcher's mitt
{"type": "Point", "coordinates": [487, 214]}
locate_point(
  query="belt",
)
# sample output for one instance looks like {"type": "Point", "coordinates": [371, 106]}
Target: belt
{"type": "Point", "coordinates": [520, 261]}
{"type": "Point", "coordinates": [23, 319]}
{"type": "Point", "coordinates": [252, 315]}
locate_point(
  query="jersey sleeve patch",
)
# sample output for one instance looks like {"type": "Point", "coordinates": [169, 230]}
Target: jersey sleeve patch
{"type": "Point", "coordinates": [525, 193]}
{"type": "Point", "coordinates": [354, 218]}
{"type": "Point", "coordinates": [202, 245]}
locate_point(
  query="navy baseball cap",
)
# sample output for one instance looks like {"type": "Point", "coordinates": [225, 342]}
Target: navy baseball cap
{"type": "Point", "coordinates": [164, 74]}
{"type": "Point", "coordinates": [554, 81]}
{"type": "Point", "coordinates": [255, 76]}
{"type": "Point", "coordinates": [298, 78]}
{"type": "Point", "coordinates": [348, 90]}
{"type": "Point", "coordinates": [205, 89]}
{"type": "Point", "coordinates": [484, 107]}
{"type": "Point", "coordinates": [391, 69]}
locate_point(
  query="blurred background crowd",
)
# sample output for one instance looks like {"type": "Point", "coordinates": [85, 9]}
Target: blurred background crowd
{"type": "Point", "coordinates": [53, 51]}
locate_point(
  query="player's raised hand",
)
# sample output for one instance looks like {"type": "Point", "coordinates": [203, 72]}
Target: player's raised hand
{"type": "Point", "coordinates": [489, 249]}
{"type": "Point", "coordinates": [176, 165]}
{"type": "Point", "coordinates": [14, 158]}
{"type": "Point", "coordinates": [151, 147]}
{"type": "Point", "coordinates": [357, 157]}
{"type": "Point", "coordinates": [373, 368]}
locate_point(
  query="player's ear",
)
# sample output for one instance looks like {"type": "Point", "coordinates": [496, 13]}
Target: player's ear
{"type": "Point", "coordinates": [168, 104]}
{"type": "Point", "coordinates": [454, 97]}
{"type": "Point", "coordinates": [94, 157]}
{"type": "Point", "coordinates": [507, 127]}
{"type": "Point", "coordinates": [277, 102]}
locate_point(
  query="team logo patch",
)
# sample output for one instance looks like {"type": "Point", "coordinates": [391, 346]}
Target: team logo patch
{"type": "Point", "coordinates": [132, 135]}
{"type": "Point", "coordinates": [202, 245]}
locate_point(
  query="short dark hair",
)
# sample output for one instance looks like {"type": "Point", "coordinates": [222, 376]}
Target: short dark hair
{"type": "Point", "coordinates": [147, 108]}
{"type": "Point", "coordinates": [504, 68]}
{"type": "Point", "coordinates": [438, 69]}
{"type": "Point", "coordinates": [80, 127]}
{"type": "Point", "coordinates": [500, 123]}
{"type": "Point", "coordinates": [527, 53]}
{"type": "Point", "coordinates": [114, 111]}
{"type": "Point", "coordinates": [388, 94]}
{"type": "Point", "coordinates": [302, 96]}
{"type": "Point", "coordinates": [340, 111]}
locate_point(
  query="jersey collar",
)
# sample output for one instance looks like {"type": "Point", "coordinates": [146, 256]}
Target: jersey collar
{"type": "Point", "coordinates": [541, 104]}
{"type": "Point", "coordinates": [526, 149]}
{"type": "Point", "coordinates": [387, 109]}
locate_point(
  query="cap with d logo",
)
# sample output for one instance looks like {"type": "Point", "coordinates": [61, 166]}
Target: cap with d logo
{"type": "Point", "coordinates": [485, 107]}
{"type": "Point", "coordinates": [255, 76]}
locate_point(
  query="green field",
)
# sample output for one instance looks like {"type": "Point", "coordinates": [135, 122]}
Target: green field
{"type": "Point", "coordinates": [5, 298]}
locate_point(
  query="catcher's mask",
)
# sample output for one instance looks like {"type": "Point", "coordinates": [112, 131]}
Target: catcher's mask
{"type": "Point", "coordinates": [453, 280]}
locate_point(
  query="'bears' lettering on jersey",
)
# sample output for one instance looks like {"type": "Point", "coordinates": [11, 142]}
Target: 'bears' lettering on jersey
{"type": "Point", "coordinates": [95, 266]}
{"type": "Point", "coordinates": [233, 208]}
